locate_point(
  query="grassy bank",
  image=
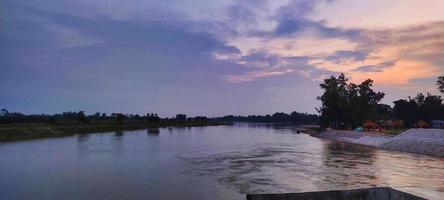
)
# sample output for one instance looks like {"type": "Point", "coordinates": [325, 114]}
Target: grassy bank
{"type": "Point", "coordinates": [24, 131]}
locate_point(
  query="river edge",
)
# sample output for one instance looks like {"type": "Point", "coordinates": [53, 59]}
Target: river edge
{"type": "Point", "coordinates": [17, 132]}
{"type": "Point", "coordinates": [419, 141]}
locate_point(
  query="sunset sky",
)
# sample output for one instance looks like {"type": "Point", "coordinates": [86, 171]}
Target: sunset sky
{"type": "Point", "coordinates": [211, 57]}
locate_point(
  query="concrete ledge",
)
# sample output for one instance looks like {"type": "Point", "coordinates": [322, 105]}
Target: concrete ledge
{"type": "Point", "coordinates": [377, 193]}
{"type": "Point", "coordinates": [364, 138]}
{"type": "Point", "coordinates": [420, 141]}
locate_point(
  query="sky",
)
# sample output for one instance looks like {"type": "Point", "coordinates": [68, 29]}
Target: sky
{"type": "Point", "coordinates": [211, 57]}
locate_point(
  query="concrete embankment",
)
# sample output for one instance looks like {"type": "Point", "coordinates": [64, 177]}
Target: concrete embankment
{"type": "Point", "coordinates": [365, 138]}
{"type": "Point", "coordinates": [421, 141]}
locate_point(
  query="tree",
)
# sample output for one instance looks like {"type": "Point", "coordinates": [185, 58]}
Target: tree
{"type": "Point", "coordinates": [406, 110]}
{"type": "Point", "coordinates": [96, 115]}
{"type": "Point", "coordinates": [367, 101]}
{"type": "Point", "coordinates": [152, 117]}
{"type": "Point", "coordinates": [431, 108]}
{"type": "Point", "coordinates": [420, 108]}
{"type": "Point", "coordinates": [440, 84]}
{"type": "Point", "coordinates": [119, 118]}
{"type": "Point", "coordinates": [4, 112]}
{"type": "Point", "coordinates": [333, 100]}
{"type": "Point", "coordinates": [82, 117]}
{"type": "Point", "coordinates": [383, 111]}
{"type": "Point", "coordinates": [346, 104]}
{"type": "Point", "coordinates": [280, 117]}
{"type": "Point", "coordinates": [181, 117]}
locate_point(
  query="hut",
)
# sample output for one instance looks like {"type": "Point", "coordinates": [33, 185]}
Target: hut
{"type": "Point", "coordinates": [437, 124]}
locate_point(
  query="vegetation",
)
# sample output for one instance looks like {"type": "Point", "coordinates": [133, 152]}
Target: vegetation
{"type": "Point", "coordinates": [347, 105]}
{"type": "Point", "coordinates": [344, 105]}
{"type": "Point", "coordinates": [420, 108]}
{"type": "Point", "coordinates": [440, 84]}
{"type": "Point", "coordinates": [15, 125]}
{"type": "Point", "coordinates": [278, 117]}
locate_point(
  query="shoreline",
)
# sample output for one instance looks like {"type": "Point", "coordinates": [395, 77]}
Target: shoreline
{"type": "Point", "coordinates": [17, 132]}
{"type": "Point", "coordinates": [420, 141]}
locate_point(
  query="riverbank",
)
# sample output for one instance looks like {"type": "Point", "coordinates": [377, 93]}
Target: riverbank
{"type": "Point", "coordinates": [25, 131]}
{"type": "Point", "coordinates": [420, 141]}
{"type": "Point", "coordinates": [364, 138]}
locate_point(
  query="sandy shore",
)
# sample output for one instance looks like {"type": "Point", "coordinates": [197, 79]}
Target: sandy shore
{"type": "Point", "coordinates": [421, 141]}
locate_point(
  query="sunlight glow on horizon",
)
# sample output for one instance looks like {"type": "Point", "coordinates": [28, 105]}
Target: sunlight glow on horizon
{"type": "Point", "coordinates": [232, 53]}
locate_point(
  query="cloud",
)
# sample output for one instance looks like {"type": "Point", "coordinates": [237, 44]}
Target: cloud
{"type": "Point", "coordinates": [340, 49]}
{"type": "Point", "coordinates": [253, 75]}
{"type": "Point", "coordinates": [86, 49]}
{"type": "Point", "coordinates": [264, 64]}
{"type": "Point", "coordinates": [297, 9]}
{"type": "Point", "coordinates": [295, 27]}
{"type": "Point", "coordinates": [260, 59]}
{"type": "Point", "coordinates": [342, 56]}
{"type": "Point", "coordinates": [128, 62]}
{"type": "Point", "coordinates": [376, 14]}
{"type": "Point", "coordinates": [292, 20]}
{"type": "Point", "coordinates": [416, 49]}
{"type": "Point", "coordinates": [376, 68]}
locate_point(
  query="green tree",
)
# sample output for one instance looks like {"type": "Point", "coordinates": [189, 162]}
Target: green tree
{"type": "Point", "coordinates": [181, 117]}
{"type": "Point", "coordinates": [119, 118]}
{"type": "Point", "coordinates": [347, 104]}
{"type": "Point", "coordinates": [333, 100]}
{"type": "Point", "coordinates": [422, 107]}
{"type": "Point", "coordinates": [82, 117]}
{"type": "Point", "coordinates": [440, 84]}
{"type": "Point", "coordinates": [4, 112]}
{"type": "Point", "coordinates": [431, 108]}
{"type": "Point", "coordinates": [367, 102]}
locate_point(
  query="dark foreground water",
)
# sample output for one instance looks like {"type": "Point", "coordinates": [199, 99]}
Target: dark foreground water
{"type": "Point", "coordinates": [222, 162]}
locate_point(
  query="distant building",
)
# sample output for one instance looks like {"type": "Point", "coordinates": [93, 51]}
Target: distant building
{"type": "Point", "coordinates": [438, 124]}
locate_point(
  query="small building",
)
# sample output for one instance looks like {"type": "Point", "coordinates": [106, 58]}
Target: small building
{"type": "Point", "coordinates": [437, 124]}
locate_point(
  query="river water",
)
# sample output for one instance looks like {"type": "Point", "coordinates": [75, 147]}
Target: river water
{"type": "Point", "coordinates": [218, 162]}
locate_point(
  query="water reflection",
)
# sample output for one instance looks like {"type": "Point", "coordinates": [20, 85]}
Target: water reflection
{"type": "Point", "coordinates": [153, 131]}
{"type": "Point", "coordinates": [277, 128]}
{"type": "Point", "coordinates": [221, 162]}
{"type": "Point", "coordinates": [82, 145]}
{"type": "Point", "coordinates": [300, 163]}
{"type": "Point", "coordinates": [118, 143]}
{"type": "Point", "coordinates": [236, 167]}
{"type": "Point", "coordinates": [118, 135]}
{"type": "Point", "coordinates": [418, 174]}
{"type": "Point", "coordinates": [81, 138]}
{"type": "Point", "coordinates": [349, 165]}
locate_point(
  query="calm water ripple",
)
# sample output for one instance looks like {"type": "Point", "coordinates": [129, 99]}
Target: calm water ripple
{"type": "Point", "coordinates": [223, 162]}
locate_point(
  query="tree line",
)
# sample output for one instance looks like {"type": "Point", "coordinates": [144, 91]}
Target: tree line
{"type": "Point", "coordinates": [349, 105]}
{"type": "Point", "coordinates": [80, 116]}
{"type": "Point", "coordinates": [420, 108]}
{"type": "Point", "coordinates": [278, 117]}
{"type": "Point", "coordinates": [344, 105]}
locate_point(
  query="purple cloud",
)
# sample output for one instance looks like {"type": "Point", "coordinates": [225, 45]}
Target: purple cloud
{"type": "Point", "coordinates": [376, 68]}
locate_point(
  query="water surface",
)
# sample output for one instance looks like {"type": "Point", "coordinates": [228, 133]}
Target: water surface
{"type": "Point", "coordinates": [221, 162]}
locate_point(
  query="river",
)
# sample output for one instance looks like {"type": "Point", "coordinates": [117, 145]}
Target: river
{"type": "Point", "coordinates": [217, 162]}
